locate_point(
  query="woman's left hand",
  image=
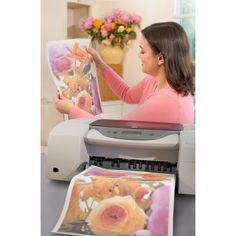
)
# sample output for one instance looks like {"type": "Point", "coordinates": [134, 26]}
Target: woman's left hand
{"type": "Point", "coordinates": [63, 104]}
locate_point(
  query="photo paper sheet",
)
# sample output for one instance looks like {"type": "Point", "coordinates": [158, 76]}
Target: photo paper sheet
{"type": "Point", "coordinates": [118, 203]}
{"type": "Point", "coordinates": [74, 73]}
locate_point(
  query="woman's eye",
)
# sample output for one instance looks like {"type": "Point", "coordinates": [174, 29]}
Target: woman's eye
{"type": "Point", "coordinates": [142, 52]}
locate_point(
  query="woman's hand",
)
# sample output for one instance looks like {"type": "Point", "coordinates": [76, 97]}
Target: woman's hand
{"type": "Point", "coordinates": [97, 59]}
{"type": "Point", "coordinates": [62, 104]}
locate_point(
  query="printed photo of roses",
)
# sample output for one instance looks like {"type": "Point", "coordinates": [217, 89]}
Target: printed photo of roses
{"type": "Point", "coordinates": [105, 203]}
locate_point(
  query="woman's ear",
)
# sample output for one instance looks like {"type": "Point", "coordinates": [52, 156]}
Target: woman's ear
{"type": "Point", "coordinates": [160, 59]}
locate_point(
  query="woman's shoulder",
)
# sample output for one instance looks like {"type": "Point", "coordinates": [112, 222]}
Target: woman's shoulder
{"type": "Point", "coordinates": [170, 96]}
{"type": "Point", "coordinates": [174, 94]}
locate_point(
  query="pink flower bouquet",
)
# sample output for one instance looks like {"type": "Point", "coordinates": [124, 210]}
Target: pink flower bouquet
{"type": "Point", "coordinates": [116, 29]}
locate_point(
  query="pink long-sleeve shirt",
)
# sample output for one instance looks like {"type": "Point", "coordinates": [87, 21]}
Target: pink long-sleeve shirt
{"type": "Point", "coordinates": [164, 105]}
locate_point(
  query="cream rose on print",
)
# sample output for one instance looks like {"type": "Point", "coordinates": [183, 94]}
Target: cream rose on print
{"type": "Point", "coordinates": [116, 216]}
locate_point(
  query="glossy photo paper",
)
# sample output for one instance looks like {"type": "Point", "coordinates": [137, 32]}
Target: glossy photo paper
{"type": "Point", "coordinates": [115, 202]}
{"type": "Point", "coordinates": [74, 73]}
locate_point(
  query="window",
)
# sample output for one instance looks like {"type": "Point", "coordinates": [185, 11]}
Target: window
{"type": "Point", "coordinates": [185, 16]}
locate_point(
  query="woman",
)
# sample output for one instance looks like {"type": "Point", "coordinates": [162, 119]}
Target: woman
{"type": "Point", "coordinates": [165, 94]}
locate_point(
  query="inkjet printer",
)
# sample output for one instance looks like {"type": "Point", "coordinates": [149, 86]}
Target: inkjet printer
{"type": "Point", "coordinates": [121, 144]}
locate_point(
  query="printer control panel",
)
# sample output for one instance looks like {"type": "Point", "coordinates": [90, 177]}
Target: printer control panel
{"type": "Point", "coordinates": [135, 130]}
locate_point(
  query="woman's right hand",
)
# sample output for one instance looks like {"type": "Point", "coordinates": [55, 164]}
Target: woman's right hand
{"type": "Point", "coordinates": [96, 57]}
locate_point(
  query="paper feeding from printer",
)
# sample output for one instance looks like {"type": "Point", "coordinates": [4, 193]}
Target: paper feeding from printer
{"type": "Point", "coordinates": [117, 144]}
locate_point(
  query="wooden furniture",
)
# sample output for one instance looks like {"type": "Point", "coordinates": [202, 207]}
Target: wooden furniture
{"type": "Point", "coordinates": [105, 92]}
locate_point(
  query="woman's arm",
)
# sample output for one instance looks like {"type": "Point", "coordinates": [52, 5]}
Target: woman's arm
{"type": "Point", "coordinates": [76, 112]}
{"type": "Point", "coordinates": [115, 82]}
{"type": "Point", "coordinates": [128, 94]}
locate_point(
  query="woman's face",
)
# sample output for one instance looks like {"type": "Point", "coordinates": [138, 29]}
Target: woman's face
{"type": "Point", "coordinates": [148, 59]}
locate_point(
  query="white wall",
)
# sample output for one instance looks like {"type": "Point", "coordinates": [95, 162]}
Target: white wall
{"type": "Point", "coordinates": [53, 27]}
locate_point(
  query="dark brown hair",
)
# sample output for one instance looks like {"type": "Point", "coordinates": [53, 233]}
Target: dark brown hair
{"type": "Point", "coordinates": [170, 39]}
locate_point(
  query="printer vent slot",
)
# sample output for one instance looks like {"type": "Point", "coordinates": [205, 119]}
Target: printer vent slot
{"type": "Point", "coordinates": [136, 165]}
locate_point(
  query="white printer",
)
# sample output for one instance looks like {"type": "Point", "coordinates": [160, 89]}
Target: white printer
{"type": "Point", "coordinates": [120, 144]}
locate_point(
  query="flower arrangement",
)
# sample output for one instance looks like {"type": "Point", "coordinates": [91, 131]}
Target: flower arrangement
{"type": "Point", "coordinates": [116, 29]}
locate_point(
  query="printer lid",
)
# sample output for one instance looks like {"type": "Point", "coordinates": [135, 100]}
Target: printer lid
{"type": "Point", "coordinates": [131, 124]}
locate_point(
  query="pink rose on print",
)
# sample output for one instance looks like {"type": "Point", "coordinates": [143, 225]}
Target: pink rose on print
{"type": "Point", "coordinates": [161, 196]}
{"type": "Point", "coordinates": [60, 63]}
{"type": "Point", "coordinates": [82, 101]}
{"type": "Point", "coordinates": [159, 218]}
{"type": "Point", "coordinates": [158, 221]}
